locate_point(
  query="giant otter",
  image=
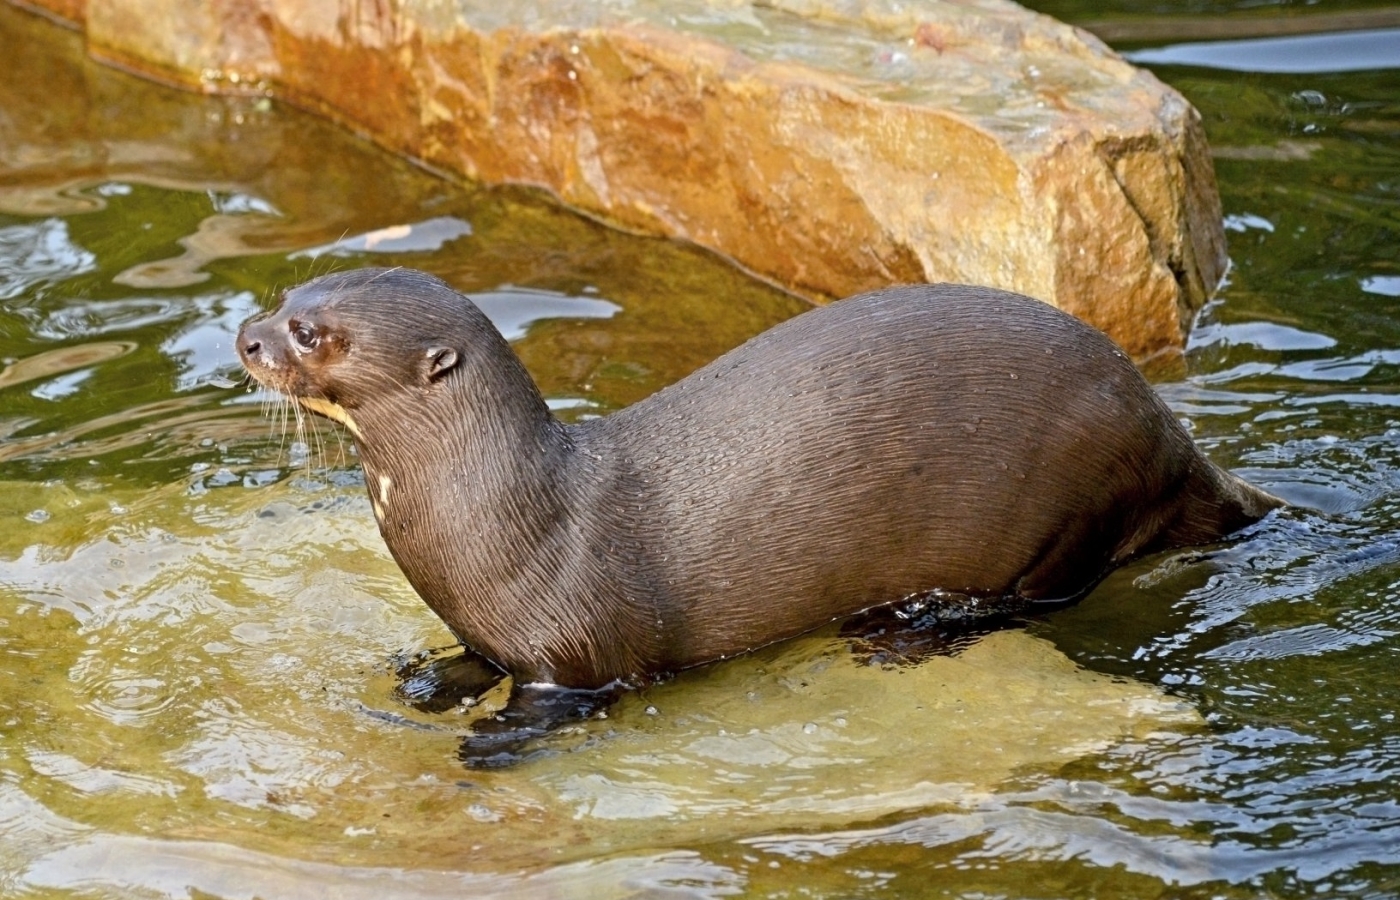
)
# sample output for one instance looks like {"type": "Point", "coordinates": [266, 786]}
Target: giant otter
{"type": "Point", "coordinates": [918, 440]}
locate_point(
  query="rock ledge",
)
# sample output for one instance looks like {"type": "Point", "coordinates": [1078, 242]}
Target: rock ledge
{"type": "Point", "coordinates": [831, 146]}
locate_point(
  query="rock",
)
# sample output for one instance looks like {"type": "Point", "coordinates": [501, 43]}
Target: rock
{"type": "Point", "coordinates": [828, 145]}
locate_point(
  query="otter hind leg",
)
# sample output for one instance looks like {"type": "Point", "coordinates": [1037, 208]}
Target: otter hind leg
{"type": "Point", "coordinates": [533, 711]}
{"type": "Point", "coordinates": [436, 681]}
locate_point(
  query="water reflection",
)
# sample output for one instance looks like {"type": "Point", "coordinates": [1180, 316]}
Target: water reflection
{"type": "Point", "coordinates": [174, 868]}
{"type": "Point", "coordinates": [64, 359]}
{"type": "Point", "coordinates": [514, 310]}
{"type": "Point", "coordinates": [420, 237]}
{"type": "Point", "coordinates": [40, 253]}
{"type": "Point", "coordinates": [1356, 51]}
{"type": "Point", "coordinates": [1384, 285]}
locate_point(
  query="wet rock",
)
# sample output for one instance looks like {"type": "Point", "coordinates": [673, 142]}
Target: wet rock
{"type": "Point", "coordinates": [829, 145]}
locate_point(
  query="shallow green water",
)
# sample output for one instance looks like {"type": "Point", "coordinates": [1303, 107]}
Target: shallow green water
{"type": "Point", "coordinates": [198, 623]}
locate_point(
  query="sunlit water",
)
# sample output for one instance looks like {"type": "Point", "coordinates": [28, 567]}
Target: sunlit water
{"type": "Point", "coordinates": [199, 626]}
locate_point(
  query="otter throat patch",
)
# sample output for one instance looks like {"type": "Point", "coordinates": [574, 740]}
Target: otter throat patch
{"type": "Point", "coordinates": [333, 411]}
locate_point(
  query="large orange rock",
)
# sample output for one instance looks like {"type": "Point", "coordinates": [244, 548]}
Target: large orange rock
{"type": "Point", "coordinates": [829, 146]}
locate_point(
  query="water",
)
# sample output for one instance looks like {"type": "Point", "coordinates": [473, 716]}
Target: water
{"type": "Point", "coordinates": [198, 624]}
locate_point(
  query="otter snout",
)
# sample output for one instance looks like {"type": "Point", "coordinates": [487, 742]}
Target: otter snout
{"type": "Point", "coordinates": [251, 341]}
{"type": "Point", "coordinates": [257, 351]}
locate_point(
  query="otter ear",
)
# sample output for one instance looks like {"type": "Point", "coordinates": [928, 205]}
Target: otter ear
{"type": "Point", "coordinates": [437, 362]}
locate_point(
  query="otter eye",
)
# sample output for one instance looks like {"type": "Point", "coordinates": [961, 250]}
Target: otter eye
{"type": "Point", "coordinates": [304, 335]}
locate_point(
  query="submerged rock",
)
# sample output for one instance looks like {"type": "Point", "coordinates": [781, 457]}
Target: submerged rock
{"type": "Point", "coordinates": [829, 146]}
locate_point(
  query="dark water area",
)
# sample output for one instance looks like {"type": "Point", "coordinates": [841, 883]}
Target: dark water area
{"type": "Point", "coordinates": [198, 622]}
{"type": "Point", "coordinates": [1288, 643]}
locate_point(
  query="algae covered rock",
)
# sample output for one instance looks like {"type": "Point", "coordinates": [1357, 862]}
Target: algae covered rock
{"type": "Point", "coordinates": [828, 146]}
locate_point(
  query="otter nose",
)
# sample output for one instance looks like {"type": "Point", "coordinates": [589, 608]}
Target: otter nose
{"type": "Point", "coordinates": [252, 343]}
{"type": "Point", "coordinates": [250, 335]}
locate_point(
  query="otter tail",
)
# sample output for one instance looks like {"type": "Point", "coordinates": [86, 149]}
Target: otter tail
{"type": "Point", "coordinates": [1213, 504]}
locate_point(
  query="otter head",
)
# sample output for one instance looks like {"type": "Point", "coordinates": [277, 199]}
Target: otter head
{"type": "Point", "coordinates": [345, 342]}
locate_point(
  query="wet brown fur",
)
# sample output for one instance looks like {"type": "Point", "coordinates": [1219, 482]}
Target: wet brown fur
{"type": "Point", "coordinates": [914, 438]}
